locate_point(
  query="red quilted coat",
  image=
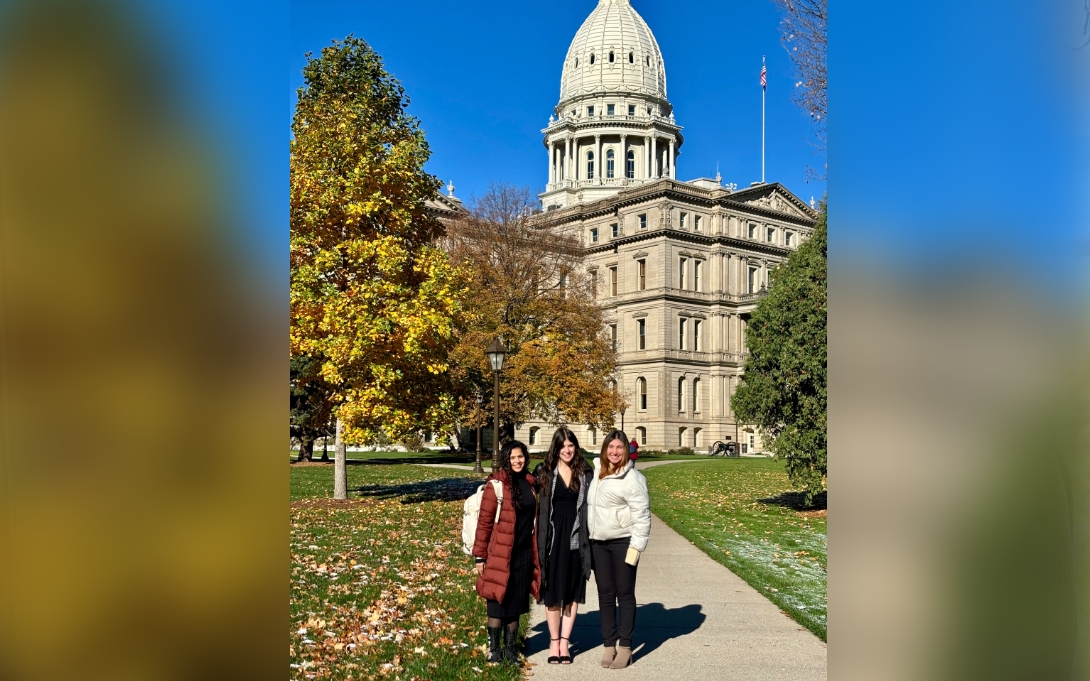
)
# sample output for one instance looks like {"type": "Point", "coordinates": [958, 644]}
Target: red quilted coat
{"type": "Point", "coordinates": [496, 540]}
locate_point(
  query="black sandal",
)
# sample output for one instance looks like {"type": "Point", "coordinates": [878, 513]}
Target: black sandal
{"type": "Point", "coordinates": [565, 659]}
{"type": "Point", "coordinates": [553, 659]}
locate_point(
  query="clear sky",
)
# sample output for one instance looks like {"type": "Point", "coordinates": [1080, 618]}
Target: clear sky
{"type": "Point", "coordinates": [484, 76]}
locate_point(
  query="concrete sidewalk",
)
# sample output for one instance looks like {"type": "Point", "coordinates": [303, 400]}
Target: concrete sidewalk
{"type": "Point", "coordinates": [695, 619]}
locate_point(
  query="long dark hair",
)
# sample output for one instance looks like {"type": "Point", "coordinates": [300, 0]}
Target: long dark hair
{"type": "Point", "coordinates": [512, 476]}
{"type": "Point", "coordinates": [552, 460]}
{"type": "Point", "coordinates": [606, 467]}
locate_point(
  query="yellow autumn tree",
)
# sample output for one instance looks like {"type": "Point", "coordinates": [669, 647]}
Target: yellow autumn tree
{"type": "Point", "coordinates": [371, 295]}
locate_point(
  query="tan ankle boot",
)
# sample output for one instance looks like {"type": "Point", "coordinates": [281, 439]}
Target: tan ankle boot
{"type": "Point", "coordinates": [607, 656]}
{"type": "Point", "coordinates": [623, 659]}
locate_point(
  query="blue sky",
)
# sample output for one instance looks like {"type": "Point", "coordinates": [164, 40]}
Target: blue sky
{"type": "Point", "coordinates": [484, 76]}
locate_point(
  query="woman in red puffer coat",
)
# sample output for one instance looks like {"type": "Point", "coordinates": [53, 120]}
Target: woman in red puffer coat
{"type": "Point", "coordinates": [506, 552]}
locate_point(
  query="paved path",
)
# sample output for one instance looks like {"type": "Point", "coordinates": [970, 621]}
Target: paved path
{"type": "Point", "coordinates": [695, 619]}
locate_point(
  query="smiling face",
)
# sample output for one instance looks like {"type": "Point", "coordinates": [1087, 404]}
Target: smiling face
{"type": "Point", "coordinates": [616, 451]}
{"type": "Point", "coordinates": [518, 460]}
{"type": "Point", "coordinates": [567, 452]}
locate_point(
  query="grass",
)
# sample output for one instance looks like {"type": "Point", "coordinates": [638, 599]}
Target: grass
{"type": "Point", "coordinates": [744, 514]}
{"type": "Point", "coordinates": [379, 586]}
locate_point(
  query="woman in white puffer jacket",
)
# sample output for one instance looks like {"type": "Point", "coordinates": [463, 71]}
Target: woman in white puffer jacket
{"type": "Point", "coordinates": [619, 521]}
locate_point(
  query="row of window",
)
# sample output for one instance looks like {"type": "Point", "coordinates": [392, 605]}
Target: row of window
{"type": "Point", "coordinates": [611, 110]}
{"type": "Point", "coordinates": [770, 234]}
{"type": "Point", "coordinates": [630, 165]}
{"type": "Point", "coordinates": [685, 397]}
{"type": "Point", "coordinates": [685, 341]}
{"type": "Point", "coordinates": [613, 58]}
{"type": "Point", "coordinates": [696, 440]}
{"type": "Point", "coordinates": [753, 280]}
{"type": "Point", "coordinates": [683, 218]}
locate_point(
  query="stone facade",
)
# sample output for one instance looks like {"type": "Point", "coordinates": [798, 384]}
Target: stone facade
{"type": "Point", "coordinates": [679, 266]}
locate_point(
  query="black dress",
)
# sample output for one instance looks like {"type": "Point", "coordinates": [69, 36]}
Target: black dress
{"type": "Point", "coordinates": [564, 581]}
{"type": "Point", "coordinates": [516, 599]}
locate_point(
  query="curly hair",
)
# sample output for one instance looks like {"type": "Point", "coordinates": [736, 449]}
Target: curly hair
{"type": "Point", "coordinates": [505, 466]}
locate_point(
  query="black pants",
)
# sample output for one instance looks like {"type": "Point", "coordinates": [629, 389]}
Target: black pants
{"type": "Point", "coordinates": [616, 589]}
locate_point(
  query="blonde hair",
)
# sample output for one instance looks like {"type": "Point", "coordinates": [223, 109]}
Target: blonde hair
{"type": "Point", "coordinates": [606, 466]}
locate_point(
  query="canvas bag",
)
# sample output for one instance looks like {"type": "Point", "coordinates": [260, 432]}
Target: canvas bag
{"type": "Point", "coordinates": [470, 512]}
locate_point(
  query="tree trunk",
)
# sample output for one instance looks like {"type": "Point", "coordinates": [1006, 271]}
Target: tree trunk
{"type": "Point", "coordinates": [340, 470]}
{"type": "Point", "coordinates": [306, 450]}
{"type": "Point", "coordinates": [325, 450]}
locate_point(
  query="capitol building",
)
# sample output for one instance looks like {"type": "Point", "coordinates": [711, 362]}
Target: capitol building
{"type": "Point", "coordinates": [678, 265]}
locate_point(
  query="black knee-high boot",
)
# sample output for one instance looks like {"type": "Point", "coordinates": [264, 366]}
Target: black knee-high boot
{"type": "Point", "coordinates": [495, 650]}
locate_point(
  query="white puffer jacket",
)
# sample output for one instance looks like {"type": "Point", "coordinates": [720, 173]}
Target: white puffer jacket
{"type": "Point", "coordinates": [619, 506]}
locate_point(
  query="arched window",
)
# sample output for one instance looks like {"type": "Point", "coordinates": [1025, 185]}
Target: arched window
{"type": "Point", "coordinates": [649, 61]}
{"type": "Point", "coordinates": [630, 166]}
{"type": "Point", "coordinates": [681, 394]}
{"type": "Point", "coordinates": [533, 436]}
{"type": "Point", "coordinates": [590, 165]}
{"type": "Point", "coordinates": [609, 164]}
{"type": "Point", "coordinates": [696, 395]}
{"type": "Point", "coordinates": [631, 57]}
{"type": "Point", "coordinates": [641, 435]}
{"type": "Point", "coordinates": [611, 57]}
{"type": "Point", "coordinates": [577, 62]}
{"type": "Point", "coordinates": [592, 59]}
{"type": "Point", "coordinates": [593, 436]}
{"type": "Point", "coordinates": [641, 392]}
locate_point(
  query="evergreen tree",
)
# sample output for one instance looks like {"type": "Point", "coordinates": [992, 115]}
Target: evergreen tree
{"type": "Point", "coordinates": [784, 390]}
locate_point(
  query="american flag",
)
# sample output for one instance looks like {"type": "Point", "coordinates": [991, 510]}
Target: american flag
{"type": "Point", "coordinates": [764, 77]}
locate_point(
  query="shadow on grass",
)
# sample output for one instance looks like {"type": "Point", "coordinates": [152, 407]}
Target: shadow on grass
{"type": "Point", "coordinates": [655, 625]}
{"type": "Point", "coordinates": [796, 501]}
{"type": "Point", "coordinates": [445, 489]}
{"type": "Point", "coordinates": [426, 458]}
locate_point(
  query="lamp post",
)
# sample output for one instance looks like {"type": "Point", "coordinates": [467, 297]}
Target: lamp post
{"type": "Point", "coordinates": [477, 468]}
{"type": "Point", "coordinates": [496, 353]}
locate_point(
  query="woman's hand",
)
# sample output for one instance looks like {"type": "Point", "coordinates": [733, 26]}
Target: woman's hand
{"type": "Point", "coordinates": [479, 567]}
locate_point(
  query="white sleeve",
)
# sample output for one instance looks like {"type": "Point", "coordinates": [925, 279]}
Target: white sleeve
{"type": "Point", "coordinates": [639, 503]}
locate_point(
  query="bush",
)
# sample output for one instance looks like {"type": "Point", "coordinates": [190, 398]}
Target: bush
{"type": "Point", "coordinates": [413, 442]}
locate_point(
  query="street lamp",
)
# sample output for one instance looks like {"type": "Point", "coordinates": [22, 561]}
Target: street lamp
{"type": "Point", "coordinates": [477, 468]}
{"type": "Point", "coordinates": [496, 353]}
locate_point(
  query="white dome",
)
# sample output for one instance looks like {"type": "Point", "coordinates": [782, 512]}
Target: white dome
{"type": "Point", "coordinates": [614, 27]}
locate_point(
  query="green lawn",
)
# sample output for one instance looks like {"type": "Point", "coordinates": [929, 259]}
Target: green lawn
{"type": "Point", "coordinates": [743, 513]}
{"type": "Point", "coordinates": [379, 586]}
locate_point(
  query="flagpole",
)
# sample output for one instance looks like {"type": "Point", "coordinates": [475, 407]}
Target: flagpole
{"type": "Point", "coordinates": [762, 124]}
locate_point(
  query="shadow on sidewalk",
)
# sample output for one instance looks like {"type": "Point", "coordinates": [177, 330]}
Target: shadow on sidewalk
{"type": "Point", "coordinates": [445, 489]}
{"type": "Point", "coordinates": [655, 625]}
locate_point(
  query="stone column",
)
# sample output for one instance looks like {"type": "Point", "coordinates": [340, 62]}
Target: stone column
{"type": "Point", "coordinates": [624, 157]}
{"type": "Point", "coordinates": [654, 157]}
{"type": "Point", "coordinates": [673, 160]}
{"type": "Point", "coordinates": [647, 158]}
{"type": "Point", "coordinates": [599, 164]}
{"type": "Point", "coordinates": [567, 158]}
{"type": "Point", "coordinates": [552, 163]}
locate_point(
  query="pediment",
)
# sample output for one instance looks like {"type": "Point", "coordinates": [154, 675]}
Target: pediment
{"type": "Point", "coordinates": [777, 199]}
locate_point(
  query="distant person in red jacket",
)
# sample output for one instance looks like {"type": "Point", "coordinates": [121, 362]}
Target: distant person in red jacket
{"type": "Point", "coordinates": [633, 450]}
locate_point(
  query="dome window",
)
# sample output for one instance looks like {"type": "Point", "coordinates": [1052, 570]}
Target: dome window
{"type": "Point", "coordinates": [630, 165]}
{"type": "Point", "coordinates": [631, 58]}
{"type": "Point", "coordinates": [610, 57]}
{"type": "Point", "coordinates": [649, 61]}
{"type": "Point", "coordinates": [577, 62]}
{"type": "Point", "coordinates": [609, 164]}
{"type": "Point", "coordinates": [590, 165]}
{"type": "Point", "coordinates": [592, 59]}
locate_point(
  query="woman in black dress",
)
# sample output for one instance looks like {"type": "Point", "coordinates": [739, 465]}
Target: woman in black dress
{"type": "Point", "coordinates": [563, 543]}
